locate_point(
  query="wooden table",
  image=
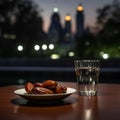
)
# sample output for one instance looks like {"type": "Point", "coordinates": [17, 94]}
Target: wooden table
{"type": "Point", "coordinates": [104, 106]}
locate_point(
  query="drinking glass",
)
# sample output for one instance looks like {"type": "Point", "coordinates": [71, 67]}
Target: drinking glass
{"type": "Point", "coordinates": [87, 74]}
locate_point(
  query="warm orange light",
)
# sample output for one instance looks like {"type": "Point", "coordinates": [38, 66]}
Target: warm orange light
{"type": "Point", "coordinates": [68, 18]}
{"type": "Point", "coordinates": [80, 8]}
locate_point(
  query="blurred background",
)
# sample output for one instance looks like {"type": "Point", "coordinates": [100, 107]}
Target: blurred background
{"type": "Point", "coordinates": [40, 39]}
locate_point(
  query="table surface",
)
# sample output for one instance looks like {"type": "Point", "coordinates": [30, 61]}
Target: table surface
{"type": "Point", "coordinates": [104, 106]}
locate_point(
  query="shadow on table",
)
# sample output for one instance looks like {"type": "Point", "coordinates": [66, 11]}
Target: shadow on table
{"type": "Point", "coordinates": [23, 102]}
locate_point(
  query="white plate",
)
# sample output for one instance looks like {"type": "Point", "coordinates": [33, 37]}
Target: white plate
{"type": "Point", "coordinates": [44, 97]}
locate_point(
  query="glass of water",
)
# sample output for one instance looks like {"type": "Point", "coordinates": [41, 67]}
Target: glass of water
{"type": "Point", "coordinates": [87, 74]}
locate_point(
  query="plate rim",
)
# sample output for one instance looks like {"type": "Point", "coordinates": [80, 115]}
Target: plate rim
{"type": "Point", "coordinates": [47, 95]}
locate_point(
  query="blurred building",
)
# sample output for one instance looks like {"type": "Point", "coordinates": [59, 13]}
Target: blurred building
{"type": "Point", "coordinates": [79, 21]}
{"type": "Point", "coordinates": [67, 29]}
{"type": "Point", "coordinates": [55, 32]}
{"type": "Point", "coordinates": [59, 34]}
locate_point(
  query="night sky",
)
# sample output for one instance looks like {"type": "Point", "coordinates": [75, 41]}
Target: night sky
{"type": "Point", "coordinates": [69, 7]}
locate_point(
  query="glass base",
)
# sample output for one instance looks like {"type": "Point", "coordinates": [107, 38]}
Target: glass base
{"type": "Point", "coordinates": [88, 93]}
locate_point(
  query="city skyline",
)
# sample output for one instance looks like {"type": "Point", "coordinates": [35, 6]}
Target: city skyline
{"type": "Point", "coordinates": [90, 8]}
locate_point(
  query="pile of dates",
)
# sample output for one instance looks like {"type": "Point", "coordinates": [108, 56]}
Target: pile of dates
{"type": "Point", "coordinates": [46, 87]}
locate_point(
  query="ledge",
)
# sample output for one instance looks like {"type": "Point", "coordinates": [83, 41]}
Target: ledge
{"type": "Point", "coordinates": [50, 69]}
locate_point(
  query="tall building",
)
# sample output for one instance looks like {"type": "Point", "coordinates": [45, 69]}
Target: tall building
{"type": "Point", "coordinates": [79, 21]}
{"type": "Point", "coordinates": [55, 30]}
{"type": "Point", "coordinates": [67, 29]}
